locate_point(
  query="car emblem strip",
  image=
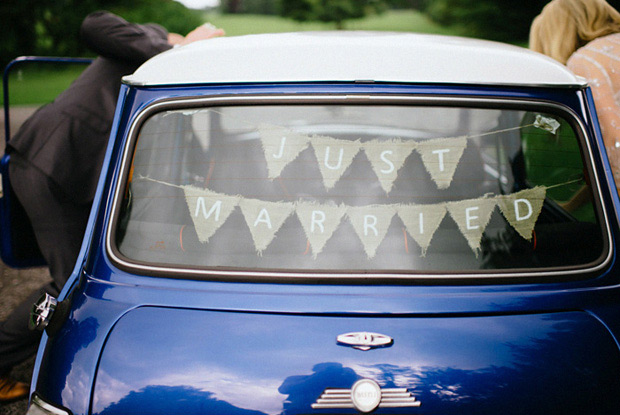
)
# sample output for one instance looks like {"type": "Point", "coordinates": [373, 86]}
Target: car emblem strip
{"type": "Point", "coordinates": [364, 340]}
{"type": "Point", "coordinates": [390, 398]}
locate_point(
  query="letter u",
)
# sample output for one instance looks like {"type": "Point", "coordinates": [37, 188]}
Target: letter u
{"type": "Point", "coordinates": [339, 165]}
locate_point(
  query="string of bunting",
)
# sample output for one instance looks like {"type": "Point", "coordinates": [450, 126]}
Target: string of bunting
{"type": "Point", "coordinates": [209, 210]}
{"type": "Point", "coordinates": [440, 156]}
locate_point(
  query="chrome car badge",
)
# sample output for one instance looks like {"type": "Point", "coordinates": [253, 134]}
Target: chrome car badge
{"type": "Point", "coordinates": [364, 340]}
{"type": "Point", "coordinates": [366, 395]}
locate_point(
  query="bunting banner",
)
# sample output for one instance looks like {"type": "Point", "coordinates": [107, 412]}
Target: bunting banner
{"type": "Point", "coordinates": [210, 210]}
{"type": "Point", "coordinates": [371, 223]}
{"type": "Point", "coordinates": [546, 123]}
{"type": "Point", "coordinates": [440, 156]}
{"type": "Point", "coordinates": [281, 146]}
{"type": "Point", "coordinates": [264, 219]}
{"type": "Point", "coordinates": [319, 222]}
{"type": "Point", "coordinates": [522, 209]}
{"type": "Point", "coordinates": [334, 157]}
{"type": "Point", "coordinates": [386, 158]}
{"type": "Point", "coordinates": [421, 222]}
{"type": "Point", "coordinates": [472, 217]}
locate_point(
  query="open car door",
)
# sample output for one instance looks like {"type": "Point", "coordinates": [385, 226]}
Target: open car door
{"type": "Point", "coordinates": [18, 246]}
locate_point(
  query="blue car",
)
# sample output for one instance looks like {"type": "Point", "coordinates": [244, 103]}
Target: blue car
{"type": "Point", "coordinates": [343, 223]}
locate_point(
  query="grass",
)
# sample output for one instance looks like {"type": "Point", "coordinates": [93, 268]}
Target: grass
{"type": "Point", "coordinates": [35, 84]}
{"type": "Point", "coordinates": [393, 20]}
{"type": "Point", "coordinates": [40, 84]}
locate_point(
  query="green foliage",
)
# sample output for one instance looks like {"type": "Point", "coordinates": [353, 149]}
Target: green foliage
{"type": "Point", "coordinates": [38, 83]}
{"type": "Point", "coordinates": [392, 20]}
{"type": "Point", "coordinates": [407, 4]}
{"type": "Point", "coordinates": [265, 7]}
{"type": "Point", "coordinates": [172, 15]}
{"type": "Point", "coordinates": [18, 28]}
{"type": "Point", "coordinates": [35, 27]}
{"type": "Point", "coordinates": [42, 84]}
{"type": "Point", "coordinates": [504, 20]}
{"type": "Point", "coordinates": [336, 11]}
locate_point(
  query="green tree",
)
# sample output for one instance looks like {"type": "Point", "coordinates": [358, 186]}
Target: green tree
{"type": "Point", "coordinates": [172, 15]}
{"type": "Point", "coordinates": [34, 27]}
{"type": "Point", "coordinates": [18, 23]}
{"type": "Point", "coordinates": [504, 20]}
{"type": "Point", "coordinates": [231, 6]}
{"type": "Point", "coordinates": [336, 11]}
{"type": "Point", "coordinates": [265, 7]}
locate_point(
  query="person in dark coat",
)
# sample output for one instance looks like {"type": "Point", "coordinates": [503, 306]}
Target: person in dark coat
{"type": "Point", "coordinates": [56, 158]}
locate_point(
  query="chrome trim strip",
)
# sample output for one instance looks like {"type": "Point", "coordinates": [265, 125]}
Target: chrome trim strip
{"type": "Point", "coordinates": [390, 398]}
{"type": "Point", "coordinates": [342, 277]}
{"type": "Point", "coordinates": [363, 340]}
{"type": "Point", "coordinates": [49, 408]}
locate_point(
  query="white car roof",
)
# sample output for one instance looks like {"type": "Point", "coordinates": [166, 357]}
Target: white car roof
{"type": "Point", "coordinates": [352, 56]}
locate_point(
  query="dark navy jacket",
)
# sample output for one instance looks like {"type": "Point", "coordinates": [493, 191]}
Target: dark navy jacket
{"type": "Point", "coordinates": [67, 138]}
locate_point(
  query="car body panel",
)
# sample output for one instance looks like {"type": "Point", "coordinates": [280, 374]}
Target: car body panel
{"type": "Point", "coordinates": [131, 340]}
{"type": "Point", "coordinates": [236, 362]}
{"type": "Point", "coordinates": [370, 56]}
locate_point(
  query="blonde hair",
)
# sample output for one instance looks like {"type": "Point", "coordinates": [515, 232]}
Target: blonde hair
{"type": "Point", "coordinates": [564, 26]}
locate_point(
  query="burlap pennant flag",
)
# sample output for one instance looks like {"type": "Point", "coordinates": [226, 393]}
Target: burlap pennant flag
{"type": "Point", "coordinates": [319, 222]}
{"type": "Point", "coordinates": [522, 209]}
{"type": "Point", "coordinates": [264, 219]}
{"type": "Point", "coordinates": [334, 157]}
{"type": "Point", "coordinates": [472, 217]}
{"type": "Point", "coordinates": [547, 123]}
{"type": "Point", "coordinates": [371, 223]}
{"type": "Point", "coordinates": [441, 156]}
{"type": "Point", "coordinates": [281, 146]}
{"type": "Point", "coordinates": [209, 210]}
{"type": "Point", "coordinates": [386, 158]}
{"type": "Point", "coordinates": [421, 222]}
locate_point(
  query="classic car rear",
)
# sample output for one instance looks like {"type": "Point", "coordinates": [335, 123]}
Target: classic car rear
{"type": "Point", "coordinates": [342, 223]}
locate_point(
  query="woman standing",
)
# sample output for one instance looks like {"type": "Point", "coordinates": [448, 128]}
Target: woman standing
{"type": "Point", "coordinates": [585, 36]}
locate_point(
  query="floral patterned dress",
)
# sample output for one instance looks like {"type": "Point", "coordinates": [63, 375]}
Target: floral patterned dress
{"type": "Point", "coordinates": [599, 63]}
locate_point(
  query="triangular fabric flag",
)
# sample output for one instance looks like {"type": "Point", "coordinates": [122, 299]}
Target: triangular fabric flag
{"type": "Point", "coordinates": [281, 146]}
{"type": "Point", "coordinates": [334, 157]}
{"type": "Point", "coordinates": [547, 123]}
{"type": "Point", "coordinates": [319, 222]}
{"type": "Point", "coordinates": [386, 158]}
{"type": "Point", "coordinates": [522, 209]}
{"type": "Point", "coordinates": [472, 217]}
{"type": "Point", "coordinates": [441, 156]}
{"type": "Point", "coordinates": [422, 222]}
{"type": "Point", "coordinates": [209, 210]}
{"type": "Point", "coordinates": [264, 219]}
{"type": "Point", "coordinates": [371, 223]}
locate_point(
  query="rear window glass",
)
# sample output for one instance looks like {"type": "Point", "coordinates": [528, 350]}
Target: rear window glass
{"type": "Point", "coordinates": [358, 188]}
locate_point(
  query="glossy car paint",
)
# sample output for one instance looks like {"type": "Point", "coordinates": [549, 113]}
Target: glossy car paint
{"type": "Point", "coordinates": [139, 344]}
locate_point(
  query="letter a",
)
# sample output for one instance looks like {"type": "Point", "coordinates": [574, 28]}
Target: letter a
{"type": "Point", "coordinates": [263, 217]}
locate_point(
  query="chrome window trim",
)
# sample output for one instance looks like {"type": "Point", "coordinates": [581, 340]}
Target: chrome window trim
{"type": "Point", "coordinates": [344, 276]}
{"type": "Point", "coordinates": [47, 407]}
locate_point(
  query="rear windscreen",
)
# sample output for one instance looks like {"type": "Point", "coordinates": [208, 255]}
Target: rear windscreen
{"type": "Point", "coordinates": [358, 188]}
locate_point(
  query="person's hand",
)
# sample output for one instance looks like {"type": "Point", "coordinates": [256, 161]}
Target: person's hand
{"type": "Point", "coordinates": [205, 31]}
{"type": "Point", "coordinates": [175, 38]}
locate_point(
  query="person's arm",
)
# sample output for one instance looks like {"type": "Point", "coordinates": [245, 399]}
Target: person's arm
{"type": "Point", "coordinates": [595, 62]}
{"type": "Point", "coordinates": [113, 37]}
{"type": "Point", "coordinates": [597, 68]}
